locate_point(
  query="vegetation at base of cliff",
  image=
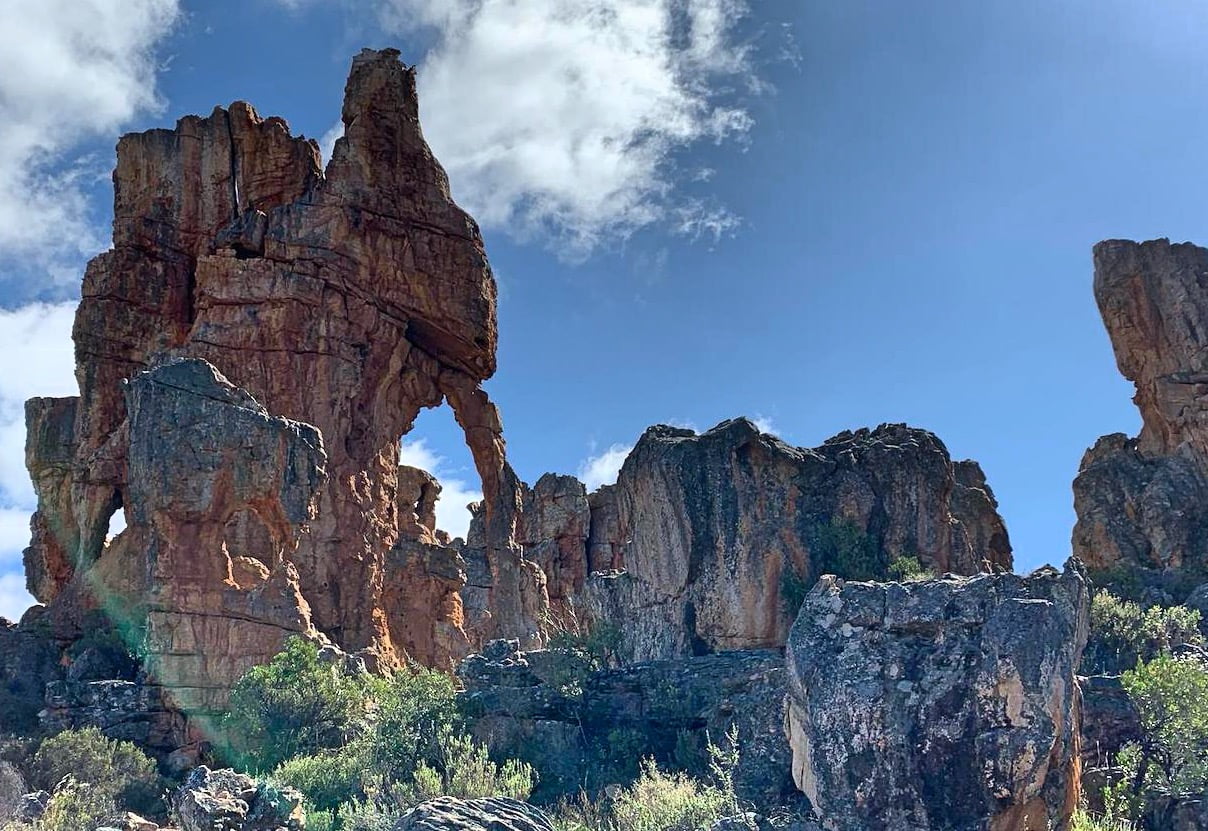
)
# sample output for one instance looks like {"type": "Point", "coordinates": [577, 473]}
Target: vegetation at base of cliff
{"type": "Point", "coordinates": [843, 548]}
{"type": "Point", "coordinates": [659, 800]}
{"type": "Point", "coordinates": [1123, 633]}
{"type": "Point", "coordinates": [1083, 820]}
{"type": "Point", "coordinates": [113, 770]}
{"type": "Point", "coordinates": [294, 705]}
{"type": "Point", "coordinates": [1171, 760]}
{"type": "Point", "coordinates": [89, 777]}
{"type": "Point", "coordinates": [793, 589]}
{"type": "Point", "coordinates": [356, 745]}
{"type": "Point", "coordinates": [1150, 586]}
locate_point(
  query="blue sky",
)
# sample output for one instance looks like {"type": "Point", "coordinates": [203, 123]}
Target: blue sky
{"type": "Point", "coordinates": [824, 214]}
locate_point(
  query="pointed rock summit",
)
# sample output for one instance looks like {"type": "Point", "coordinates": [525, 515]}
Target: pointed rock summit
{"type": "Point", "coordinates": [281, 326]}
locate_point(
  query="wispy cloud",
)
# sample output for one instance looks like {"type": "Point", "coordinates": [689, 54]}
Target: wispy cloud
{"type": "Point", "coordinates": [563, 119]}
{"type": "Point", "coordinates": [602, 469]}
{"type": "Point", "coordinates": [70, 70]}
{"type": "Point", "coordinates": [451, 512]}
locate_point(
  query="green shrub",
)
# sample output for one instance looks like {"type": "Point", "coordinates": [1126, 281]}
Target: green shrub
{"type": "Point", "coordinates": [326, 779]}
{"type": "Point", "coordinates": [793, 589]}
{"type": "Point", "coordinates": [1171, 760]}
{"type": "Point", "coordinates": [465, 770]}
{"type": "Point", "coordinates": [599, 644]}
{"type": "Point", "coordinates": [841, 547]}
{"type": "Point", "coordinates": [415, 708]}
{"type": "Point", "coordinates": [294, 705]}
{"type": "Point", "coordinates": [1084, 821]}
{"type": "Point", "coordinates": [660, 801]}
{"type": "Point", "coordinates": [108, 770]}
{"type": "Point", "coordinates": [75, 806]}
{"type": "Point", "coordinates": [364, 815]}
{"type": "Point", "coordinates": [904, 569]}
{"type": "Point", "coordinates": [1122, 633]}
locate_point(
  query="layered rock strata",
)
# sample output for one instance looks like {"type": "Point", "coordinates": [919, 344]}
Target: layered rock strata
{"type": "Point", "coordinates": [707, 541]}
{"type": "Point", "coordinates": [283, 325]}
{"type": "Point", "coordinates": [1143, 501]}
{"type": "Point", "coordinates": [940, 704]}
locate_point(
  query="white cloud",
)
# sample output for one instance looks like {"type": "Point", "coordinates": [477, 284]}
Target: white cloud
{"type": "Point", "coordinates": [766, 425]}
{"type": "Point", "coordinates": [604, 468]}
{"type": "Point", "coordinates": [563, 117]}
{"type": "Point", "coordinates": [70, 70]}
{"type": "Point", "coordinates": [14, 599]}
{"type": "Point", "coordinates": [35, 359]}
{"type": "Point", "coordinates": [451, 512]}
{"type": "Point", "coordinates": [328, 142]}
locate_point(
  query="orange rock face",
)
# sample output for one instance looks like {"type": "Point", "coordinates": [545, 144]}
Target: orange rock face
{"type": "Point", "coordinates": [1143, 502]}
{"type": "Point", "coordinates": [343, 301]}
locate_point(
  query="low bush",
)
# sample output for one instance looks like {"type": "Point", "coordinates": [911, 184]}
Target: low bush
{"type": "Point", "coordinates": [107, 770]}
{"type": "Point", "coordinates": [1123, 633]}
{"type": "Point", "coordinates": [659, 800]}
{"type": "Point", "coordinates": [904, 569]}
{"type": "Point", "coordinates": [326, 780]}
{"type": "Point", "coordinates": [1085, 821]}
{"type": "Point", "coordinates": [465, 770]}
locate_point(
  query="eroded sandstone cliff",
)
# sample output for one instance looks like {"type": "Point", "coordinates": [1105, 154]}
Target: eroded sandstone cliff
{"type": "Point", "coordinates": [249, 354]}
{"type": "Point", "coordinates": [1144, 501]}
{"type": "Point", "coordinates": [706, 542]}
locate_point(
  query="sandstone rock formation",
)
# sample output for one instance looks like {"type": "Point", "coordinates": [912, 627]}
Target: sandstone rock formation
{"type": "Point", "coordinates": [280, 325]}
{"type": "Point", "coordinates": [948, 703]}
{"type": "Point", "coordinates": [484, 814]}
{"type": "Point", "coordinates": [716, 533]}
{"type": "Point", "coordinates": [1144, 501]}
{"type": "Point", "coordinates": [587, 728]}
{"type": "Point", "coordinates": [223, 800]}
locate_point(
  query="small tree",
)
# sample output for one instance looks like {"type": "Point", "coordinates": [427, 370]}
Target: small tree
{"type": "Point", "coordinates": [294, 705]}
{"type": "Point", "coordinates": [1171, 760]}
{"type": "Point", "coordinates": [416, 707]}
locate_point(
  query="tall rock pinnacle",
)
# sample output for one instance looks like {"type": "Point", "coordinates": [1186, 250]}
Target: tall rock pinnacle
{"type": "Point", "coordinates": [1144, 501]}
{"type": "Point", "coordinates": [343, 300]}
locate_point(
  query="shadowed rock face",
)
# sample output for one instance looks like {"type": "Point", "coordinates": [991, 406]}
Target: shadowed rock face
{"type": "Point", "coordinates": [1142, 501]}
{"type": "Point", "coordinates": [283, 325]}
{"type": "Point", "coordinates": [713, 530]}
{"type": "Point", "coordinates": [940, 704]}
{"type": "Point", "coordinates": [578, 725]}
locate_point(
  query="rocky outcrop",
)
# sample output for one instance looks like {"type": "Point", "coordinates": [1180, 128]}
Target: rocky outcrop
{"type": "Point", "coordinates": [1144, 501]}
{"type": "Point", "coordinates": [1109, 720]}
{"type": "Point", "coordinates": [587, 728]}
{"type": "Point", "coordinates": [485, 814]}
{"type": "Point", "coordinates": [279, 326]}
{"type": "Point", "coordinates": [707, 541]}
{"type": "Point", "coordinates": [130, 711]}
{"type": "Point", "coordinates": [223, 800]}
{"type": "Point", "coordinates": [29, 660]}
{"type": "Point", "coordinates": [948, 703]}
